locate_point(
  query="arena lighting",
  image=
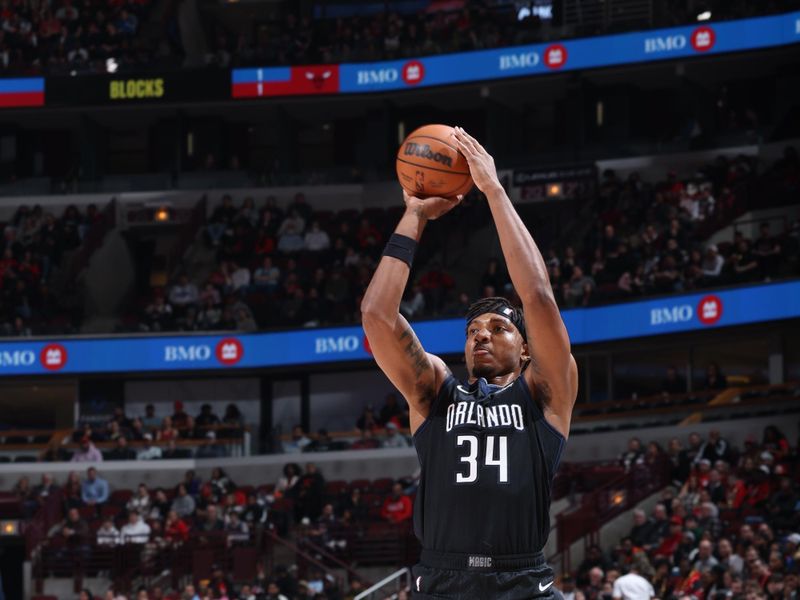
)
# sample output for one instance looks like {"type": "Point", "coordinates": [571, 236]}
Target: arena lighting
{"type": "Point", "coordinates": [9, 528]}
{"type": "Point", "coordinates": [618, 498]}
{"type": "Point", "coordinates": [162, 214]}
{"type": "Point", "coordinates": [704, 16]}
{"type": "Point", "coordinates": [555, 190]}
{"type": "Point", "coordinates": [111, 65]}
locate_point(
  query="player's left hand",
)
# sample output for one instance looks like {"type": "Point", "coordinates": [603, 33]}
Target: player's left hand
{"type": "Point", "coordinates": [430, 208]}
{"type": "Point", "coordinates": [481, 163]}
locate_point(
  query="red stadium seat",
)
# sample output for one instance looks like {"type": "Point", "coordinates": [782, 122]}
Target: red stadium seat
{"type": "Point", "coordinates": [120, 497]}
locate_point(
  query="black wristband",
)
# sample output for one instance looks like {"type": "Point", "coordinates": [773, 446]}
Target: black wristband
{"type": "Point", "coordinates": [401, 247]}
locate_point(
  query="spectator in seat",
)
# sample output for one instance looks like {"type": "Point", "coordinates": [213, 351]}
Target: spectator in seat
{"type": "Point", "coordinates": [206, 418]}
{"type": "Point", "coordinates": [309, 493]}
{"type": "Point", "coordinates": [680, 465]}
{"type": "Point", "coordinates": [267, 277]}
{"type": "Point", "coordinates": [673, 383]}
{"type": "Point", "coordinates": [367, 420]}
{"type": "Point", "coordinates": [74, 530]}
{"type": "Point", "coordinates": [743, 263]}
{"type": "Point", "coordinates": [290, 233]}
{"type": "Point", "coordinates": [775, 442]}
{"type": "Point", "coordinates": [140, 502]}
{"type": "Point", "coordinates": [642, 528]}
{"type": "Point", "coordinates": [767, 251]}
{"type": "Point", "coordinates": [298, 442]}
{"type": "Point", "coordinates": [45, 489]}
{"type": "Point", "coordinates": [366, 442]}
{"type": "Point", "coordinates": [287, 481]}
{"type": "Point", "coordinates": [715, 380]}
{"type": "Point", "coordinates": [634, 455]}
{"type": "Point", "coordinates": [254, 513]}
{"type": "Point", "coordinates": [578, 291]}
{"type": "Point", "coordinates": [108, 535]}
{"type": "Point", "coordinates": [240, 278]}
{"type": "Point", "coordinates": [176, 530]}
{"type": "Point", "coordinates": [316, 239]}
{"type": "Point", "coordinates": [158, 315]}
{"type": "Point", "coordinates": [209, 448]}
{"type": "Point", "coordinates": [712, 265]}
{"type": "Point", "coordinates": [322, 443]}
{"type": "Point", "coordinates": [135, 531]}
{"type": "Point", "coordinates": [94, 489]}
{"type": "Point", "coordinates": [211, 521]}
{"type": "Point", "coordinates": [180, 419]}
{"type": "Point", "coordinates": [149, 452]}
{"type": "Point", "coordinates": [183, 294]}
{"type": "Point", "coordinates": [704, 557]}
{"type": "Point", "coordinates": [274, 592]}
{"type": "Point", "coordinates": [121, 451]}
{"type": "Point", "coordinates": [87, 452]}
{"type": "Point", "coordinates": [716, 448]}
{"type": "Point", "coordinates": [184, 505]}
{"type": "Point", "coordinates": [150, 421]}
{"type": "Point", "coordinates": [238, 531]}
{"type": "Point", "coordinates": [167, 432]}
{"type": "Point", "coordinates": [728, 558]}
{"type": "Point", "coordinates": [393, 439]}
{"type": "Point", "coordinates": [159, 506]}
{"type": "Point", "coordinates": [397, 507]}
{"type": "Point", "coordinates": [221, 219]}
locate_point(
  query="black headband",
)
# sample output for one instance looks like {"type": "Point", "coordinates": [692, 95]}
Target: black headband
{"type": "Point", "coordinates": [502, 307]}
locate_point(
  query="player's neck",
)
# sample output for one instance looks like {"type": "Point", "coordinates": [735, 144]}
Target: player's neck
{"type": "Point", "coordinates": [501, 380]}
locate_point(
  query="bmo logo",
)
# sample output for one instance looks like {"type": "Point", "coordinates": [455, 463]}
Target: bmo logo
{"type": "Point", "coordinates": [187, 353]}
{"type": "Point", "coordinates": [703, 39]}
{"type": "Point", "coordinates": [671, 314]}
{"type": "Point", "coordinates": [523, 60]}
{"type": "Point", "coordinates": [229, 351]}
{"type": "Point", "coordinates": [709, 310]}
{"type": "Point", "coordinates": [664, 43]}
{"type": "Point", "coordinates": [413, 72]}
{"type": "Point", "coordinates": [53, 357]}
{"type": "Point", "coordinates": [555, 56]}
{"type": "Point", "coordinates": [17, 358]}
{"type": "Point", "coordinates": [377, 76]}
{"type": "Point", "coordinates": [336, 345]}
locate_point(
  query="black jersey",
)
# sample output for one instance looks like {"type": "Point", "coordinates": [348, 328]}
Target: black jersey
{"type": "Point", "coordinates": [488, 458]}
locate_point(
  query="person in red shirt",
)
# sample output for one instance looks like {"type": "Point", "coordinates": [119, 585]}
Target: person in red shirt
{"type": "Point", "coordinates": [175, 530]}
{"type": "Point", "coordinates": [397, 507]}
{"type": "Point", "coordinates": [670, 543]}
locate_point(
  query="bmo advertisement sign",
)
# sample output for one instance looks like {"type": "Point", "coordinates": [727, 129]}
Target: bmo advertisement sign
{"type": "Point", "coordinates": [658, 316]}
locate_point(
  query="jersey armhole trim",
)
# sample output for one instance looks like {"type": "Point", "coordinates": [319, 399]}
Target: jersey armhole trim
{"type": "Point", "coordinates": [553, 430]}
{"type": "Point", "coordinates": [435, 403]}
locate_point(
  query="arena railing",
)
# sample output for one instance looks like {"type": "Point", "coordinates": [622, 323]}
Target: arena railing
{"type": "Point", "coordinates": [599, 506]}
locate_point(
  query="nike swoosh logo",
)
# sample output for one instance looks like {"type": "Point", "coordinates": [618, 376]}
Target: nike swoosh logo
{"type": "Point", "coordinates": [542, 588]}
{"type": "Point", "coordinates": [463, 391]}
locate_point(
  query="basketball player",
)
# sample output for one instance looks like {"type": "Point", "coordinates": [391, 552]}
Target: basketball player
{"type": "Point", "coordinates": [488, 447]}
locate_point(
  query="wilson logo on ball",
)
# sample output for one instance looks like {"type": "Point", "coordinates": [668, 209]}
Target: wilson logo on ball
{"type": "Point", "coordinates": [424, 151]}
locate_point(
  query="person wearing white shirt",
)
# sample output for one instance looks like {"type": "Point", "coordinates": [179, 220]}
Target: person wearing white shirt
{"type": "Point", "coordinates": [317, 239]}
{"type": "Point", "coordinates": [149, 452]}
{"type": "Point", "coordinates": [633, 587]}
{"type": "Point", "coordinates": [712, 262]}
{"type": "Point", "coordinates": [141, 501]}
{"type": "Point", "coordinates": [136, 531]}
{"type": "Point", "coordinates": [240, 278]}
{"type": "Point", "coordinates": [108, 535]}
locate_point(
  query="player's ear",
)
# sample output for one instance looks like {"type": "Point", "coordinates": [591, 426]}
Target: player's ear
{"type": "Point", "coordinates": [526, 355]}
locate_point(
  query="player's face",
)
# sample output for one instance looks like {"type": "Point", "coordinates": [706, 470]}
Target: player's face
{"type": "Point", "coordinates": [494, 347]}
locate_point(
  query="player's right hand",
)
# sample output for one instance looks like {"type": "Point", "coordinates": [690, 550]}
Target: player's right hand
{"type": "Point", "coordinates": [430, 208]}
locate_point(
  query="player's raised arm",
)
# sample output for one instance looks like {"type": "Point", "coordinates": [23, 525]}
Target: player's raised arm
{"type": "Point", "coordinates": [552, 374]}
{"type": "Point", "coordinates": [395, 346]}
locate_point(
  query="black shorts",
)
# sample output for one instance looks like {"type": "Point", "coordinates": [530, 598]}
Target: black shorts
{"type": "Point", "coordinates": [436, 578]}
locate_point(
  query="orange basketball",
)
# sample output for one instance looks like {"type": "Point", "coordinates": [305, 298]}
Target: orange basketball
{"type": "Point", "coordinates": [428, 164]}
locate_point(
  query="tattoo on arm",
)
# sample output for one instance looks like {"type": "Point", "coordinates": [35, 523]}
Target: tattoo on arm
{"type": "Point", "coordinates": [414, 351]}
